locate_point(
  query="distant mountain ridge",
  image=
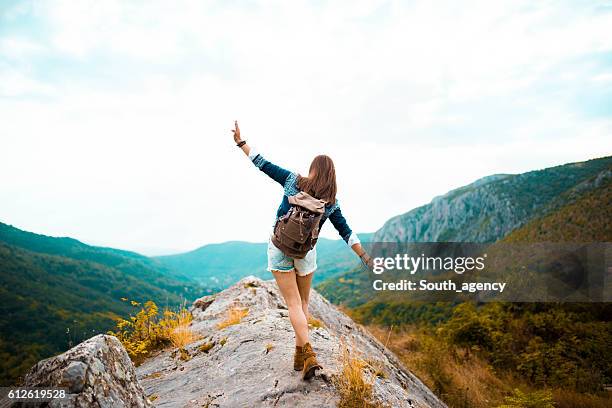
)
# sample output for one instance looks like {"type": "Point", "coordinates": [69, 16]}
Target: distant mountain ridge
{"type": "Point", "coordinates": [221, 265]}
{"type": "Point", "coordinates": [491, 207]}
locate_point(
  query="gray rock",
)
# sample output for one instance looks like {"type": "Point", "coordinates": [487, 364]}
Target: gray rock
{"type": "Point", "coordinates": [250, 364]}
{"type": "Point", "coordinates": [97, 373]}
{"type": "Point", "coordinates": [74, 376]}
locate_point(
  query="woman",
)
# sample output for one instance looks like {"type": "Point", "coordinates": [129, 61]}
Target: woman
{"type": "Point", "coordinates": [294, 276]}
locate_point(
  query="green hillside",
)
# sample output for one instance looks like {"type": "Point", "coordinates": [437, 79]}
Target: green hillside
{"type": "Point", "coordinates": [563, 348]}
{"type": "Point", "coordinates": [55, 292]}
{"type": "Point", "coordinates": [492, 207]}
{"type": "Point", "coordinates": [221, 265]}
{"type": "Point", "coordinates": [587, 219]}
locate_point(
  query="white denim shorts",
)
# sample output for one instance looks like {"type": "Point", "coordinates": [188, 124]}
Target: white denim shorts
{"type": "Point", "coordinates": [277, 261]}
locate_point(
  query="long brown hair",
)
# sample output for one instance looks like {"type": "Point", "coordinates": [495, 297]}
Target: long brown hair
{"type": "Point", "coordinates": [321, 180]}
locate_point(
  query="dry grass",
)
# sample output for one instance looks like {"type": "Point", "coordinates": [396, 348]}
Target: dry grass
{"type": "Point", "coordinates": [182, 335]}
{"type": "Point", "coordinates": [184, 355]}
{"type": "Point", "coordinates": [156, 374]}
{"type": "Point", "coordinates": [377, 368]}
{"type": "Point", "coordinates": [206, 347]}
{"type": "Point", "coordinates": [315, 323]}
{"type": "Point", "coordinates": [354, 388]}
{"type": "Point", "coordinates": [269, 347]}
{"type": "Point", "coordinates": [570, 399]}
{"type": "Point", "coordinates": [234, 316]}
{"type": "Point", "coordinates": [459, 378]}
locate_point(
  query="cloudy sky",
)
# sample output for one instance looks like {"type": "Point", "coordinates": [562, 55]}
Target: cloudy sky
{"type": "Point", "coordinates": [115, 116]}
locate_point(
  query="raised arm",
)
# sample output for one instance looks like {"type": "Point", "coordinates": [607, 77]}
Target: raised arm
{"type": "Point", "coordinates": [239, 142]}
{"type": "Point", "coordinates": [339, 222]}
{"type": "Point", "coordinates": [275, 172]}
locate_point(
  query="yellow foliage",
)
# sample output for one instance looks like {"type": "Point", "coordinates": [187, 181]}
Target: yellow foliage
{"type": "Point", "coordinates": [147, 331]}
{"type": "Point", "coordinates": [312, 322]}
{"type": "Point", "coordinates": [179, 332]}
{"type": "Point", "coordinates": [354, 389]}
{"type": "Point", "coordinates": [234, 316]}
{"type": "Point", "coordinates": [207, 346]}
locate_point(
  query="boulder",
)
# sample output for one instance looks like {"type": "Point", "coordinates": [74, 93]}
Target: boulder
{"type": "Point", "coordinates": [97, 373]}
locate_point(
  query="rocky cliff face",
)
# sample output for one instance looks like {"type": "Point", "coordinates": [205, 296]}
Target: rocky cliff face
{"type": "Point", "coordinates": [248, 364]}
{"type": "Point", "coordinates": [491, 207]}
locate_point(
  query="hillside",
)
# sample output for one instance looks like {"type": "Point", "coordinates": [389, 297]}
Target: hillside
{"type": "Point", "coordinates": [550, 201]}
{"type": "Point", "coordinates": [564, 347]}
{"type": "Point", "coordinates": [490, 208]}
{"type": "Point", "coordinates": [54, 292]}
{"type": "Point", "coordinates": [587, 219]}
{"type": "Point", "coordinates": [477, 355]}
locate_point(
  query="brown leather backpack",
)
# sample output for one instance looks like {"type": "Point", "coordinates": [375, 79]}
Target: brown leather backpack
{"type": "Point", "coordinates": [296, 232]}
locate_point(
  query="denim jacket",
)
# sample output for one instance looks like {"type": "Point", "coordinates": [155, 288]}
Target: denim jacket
{"type": "Point", "coordinates": [288, 180]}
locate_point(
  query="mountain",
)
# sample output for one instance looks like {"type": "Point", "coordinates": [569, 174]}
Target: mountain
{"type": "Point", "coordinates": [57, 291]}
{"type": "Point", "coordinates": [556, 348]}
{"type": "Point", "coordinates": [491, 207]}
{"type": "Point", "coordinates": [221, 265]}
{"type": "Point", "coordinates": [586, 219]}
{"type": "Point", "coordinates": [245, 364]}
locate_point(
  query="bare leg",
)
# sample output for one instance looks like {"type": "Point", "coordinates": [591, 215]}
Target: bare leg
{"type": "Point", "coordinates": [303, 284]}
{"type": "Point", "coordinates": [287, 284]}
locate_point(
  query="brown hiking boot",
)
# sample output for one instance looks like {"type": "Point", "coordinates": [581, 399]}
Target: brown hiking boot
{"type": "Point", "coordinates": [310, 362]}
{"type": "Point", "coordinates": [298, 359]}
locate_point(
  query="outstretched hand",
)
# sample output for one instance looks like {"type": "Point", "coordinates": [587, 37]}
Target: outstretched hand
{"type": "Point", "coordinates": [236, 131]}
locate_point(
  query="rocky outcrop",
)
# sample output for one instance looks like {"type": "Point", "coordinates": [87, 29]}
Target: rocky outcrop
{"type": "Point", "coordinates": [249, 364]}
{"type": "Point", "coordinates": [246, 364]}
{"type": "Point", "coordinates": [97, 373]}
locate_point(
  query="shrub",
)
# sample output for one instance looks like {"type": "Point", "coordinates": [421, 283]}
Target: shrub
{"type": "Point", "coordinates": [148, 331]}
{"type": "Point", "coordinates": [537, 399]}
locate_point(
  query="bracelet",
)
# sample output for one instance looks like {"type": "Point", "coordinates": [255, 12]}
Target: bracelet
{"type": "Point", "coordinates": [241, 143]}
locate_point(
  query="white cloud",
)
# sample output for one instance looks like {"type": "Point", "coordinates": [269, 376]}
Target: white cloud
{"type": "Point", "coordinates": [116, 118]}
